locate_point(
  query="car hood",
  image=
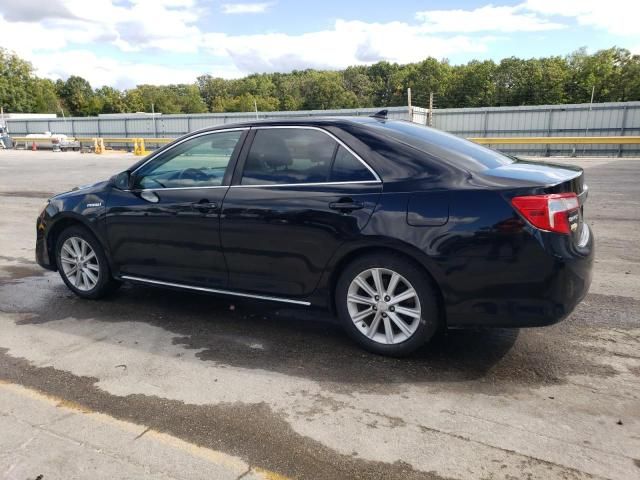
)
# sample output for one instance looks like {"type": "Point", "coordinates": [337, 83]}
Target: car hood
{"type": "Point", "coordinates": [83, 189]}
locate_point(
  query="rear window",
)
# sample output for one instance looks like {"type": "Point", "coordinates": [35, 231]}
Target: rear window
{"type": "Point", "coordinates": [443, 145]}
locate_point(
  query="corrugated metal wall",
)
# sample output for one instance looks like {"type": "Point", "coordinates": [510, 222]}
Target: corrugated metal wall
{"type": "Point", "coordinates": [168, 125]}
{"type": "Point", "coordinates": [602, 119]}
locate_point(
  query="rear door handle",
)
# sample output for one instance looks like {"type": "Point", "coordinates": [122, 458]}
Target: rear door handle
{"type": "Point", "coordinates": [346, 205]}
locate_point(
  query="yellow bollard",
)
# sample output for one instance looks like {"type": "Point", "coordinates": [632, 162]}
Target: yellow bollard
{"type": "Point", "coordinates": [138, 146]}
{"type": "Point", "coordinates": [98, 145]}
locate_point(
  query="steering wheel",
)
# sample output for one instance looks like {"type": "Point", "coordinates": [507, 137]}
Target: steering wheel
{"type": "Point", "coordinates": [193, 174]}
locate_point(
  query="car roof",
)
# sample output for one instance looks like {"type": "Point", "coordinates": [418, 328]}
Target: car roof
{"type": "Point", "coordinates": [302, 121]}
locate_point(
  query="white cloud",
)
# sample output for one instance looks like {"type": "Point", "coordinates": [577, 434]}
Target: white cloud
{"type": "Point", "coordinates": [59, 35]}
{"type": "Point", "coordinates": [34, 10]}
{"type": "Point", "coordinates": [489, 18]}
{"type": "Point", "coordinates": [240, 8]}
{"type": "Point", "coordinates": [348, 43]}
{"type": "Point", "coordinates": [617, 17]}
{"type": "Point", "coordinates": [163, 24]}
{"type": "Point", "coordinates": [121, 74]}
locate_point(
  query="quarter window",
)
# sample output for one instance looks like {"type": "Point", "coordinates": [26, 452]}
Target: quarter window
{"type": "Point", "coordinates": [347, 168]}
{"type": "Point", "coordinates": [199, 162]}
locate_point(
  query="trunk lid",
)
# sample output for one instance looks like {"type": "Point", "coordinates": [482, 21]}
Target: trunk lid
{"type": "Point", "coordinates": [524, 177]}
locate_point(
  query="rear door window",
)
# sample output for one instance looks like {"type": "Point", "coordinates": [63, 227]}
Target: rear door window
{"type": "Point", "coordinates": [289, 156]}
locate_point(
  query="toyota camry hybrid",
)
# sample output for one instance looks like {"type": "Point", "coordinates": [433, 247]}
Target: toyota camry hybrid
{"type": "Point", "coordinates": [399, 229]}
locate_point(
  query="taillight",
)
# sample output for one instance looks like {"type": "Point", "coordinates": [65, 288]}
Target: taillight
{"type": "Point", "coordinates": [548, 212]}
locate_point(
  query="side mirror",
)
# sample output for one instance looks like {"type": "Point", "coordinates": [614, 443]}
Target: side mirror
{"type": "Point", "coordinates": [123, 180]}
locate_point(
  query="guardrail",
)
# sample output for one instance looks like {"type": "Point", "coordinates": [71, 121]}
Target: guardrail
{"type": "Point", "coordinates": [98, 143]}
{"type": "Point", "coordinates": [126, 140]}
{"type": "Point", "coordinates": [556, 140]}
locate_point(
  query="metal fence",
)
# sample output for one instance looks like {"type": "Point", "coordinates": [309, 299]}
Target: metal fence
{"type": "Point", "coordinates": [169, 126]}
{"type": "Point", "coordinates": [602, 119]}
{"type": "Point", "coordinates": [581, 120]}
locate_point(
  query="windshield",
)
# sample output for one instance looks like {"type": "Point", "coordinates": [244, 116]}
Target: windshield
{"type": "Point", "coordinates": [459, 151]}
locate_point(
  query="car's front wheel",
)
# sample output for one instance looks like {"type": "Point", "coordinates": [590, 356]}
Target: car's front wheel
{"type": "Point", "coordinates": [387, 304]}
{"type": "Point", "coordinates": [82, 264]}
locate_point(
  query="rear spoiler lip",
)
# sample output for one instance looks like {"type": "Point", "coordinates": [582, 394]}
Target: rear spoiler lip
{"type": "Point", "coordinates": [582, 196]}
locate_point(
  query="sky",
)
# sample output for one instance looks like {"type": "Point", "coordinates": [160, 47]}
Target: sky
{"type": "Point", "coordinates": [123, 43]}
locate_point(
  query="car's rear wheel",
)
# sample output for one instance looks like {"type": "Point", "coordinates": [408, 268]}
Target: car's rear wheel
{"type": "Point", "coordinates": [82, 264]}
{"type": "Point", "coordinates": [387, 304]}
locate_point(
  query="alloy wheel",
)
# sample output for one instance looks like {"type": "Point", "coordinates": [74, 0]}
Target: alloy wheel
{"type": "Point", "coordinates": [80, 263]}
{"type": "Point", "coordinates": [384, 306]}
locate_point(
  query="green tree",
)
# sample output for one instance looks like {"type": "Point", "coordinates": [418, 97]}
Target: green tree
{"type": "Point", "coordinates": [613, 72]}
{"type": "Point", "coordinates": [213, 90]}
{"type": "Point", "coordinates": [188, 98]}
{"type": "Point", "coordinates": [326, 90]}
{"type": "Point", "coordinates": [424, 78]}
{"type": "Point", "coordinates": [473, 84]}
{"type": "Point", "coordinates": [382, 75]}
{"type": "Point", "coordinates": [111, 99]}
{"type": "Point", "coordinates": [16, 78]}
{"type": "Point", "coordinates": [628, 86]}
{"type": "Point", "coordinates": [43, 95]}
{"type": "Point", "coordinates": [599, 73]}
{"type": "Point", "coordinates": [356, 80]}
{"type": "Point", "coordinates": [77, 96]}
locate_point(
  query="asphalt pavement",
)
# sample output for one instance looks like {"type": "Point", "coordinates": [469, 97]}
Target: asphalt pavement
{"type": "Point", "coordinates": [154, 383]}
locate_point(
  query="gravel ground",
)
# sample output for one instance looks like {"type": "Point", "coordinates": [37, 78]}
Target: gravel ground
{"type": "Point", "coordinates": [164, 384]}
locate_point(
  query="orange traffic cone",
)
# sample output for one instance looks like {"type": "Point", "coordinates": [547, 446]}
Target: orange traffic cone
{"type": "Point", "coordinates": [34, 147]}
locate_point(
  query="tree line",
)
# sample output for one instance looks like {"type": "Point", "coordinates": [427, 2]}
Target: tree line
{"type": "Point", "coordinates": [612, 75]}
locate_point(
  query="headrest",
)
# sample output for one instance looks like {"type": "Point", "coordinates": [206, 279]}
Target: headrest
{"type": "Point", "coordinates": [275, 153]}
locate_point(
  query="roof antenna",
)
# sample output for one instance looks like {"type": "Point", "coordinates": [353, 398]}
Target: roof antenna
{"type": "Point", "coordinates": [381, 114]}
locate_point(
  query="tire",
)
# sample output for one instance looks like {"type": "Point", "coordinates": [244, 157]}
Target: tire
{"type": "Point", "coordinates": [418, 313]}
{"type": "Point", "coordinates": [95, 280]}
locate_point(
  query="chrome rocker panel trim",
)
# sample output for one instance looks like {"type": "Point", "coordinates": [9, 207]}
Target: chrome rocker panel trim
{"type": "Point", "coordinates": [214, 290]}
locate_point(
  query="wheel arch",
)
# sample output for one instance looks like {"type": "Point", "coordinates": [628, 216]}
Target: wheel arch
{"type": "Point", "coordinates": [343, 259]}
{"type": "Point", "coordinates": [64, 221]}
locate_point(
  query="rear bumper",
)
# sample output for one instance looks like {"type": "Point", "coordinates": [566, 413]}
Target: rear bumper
{"type": "Point", "coordinates": [542, 286]}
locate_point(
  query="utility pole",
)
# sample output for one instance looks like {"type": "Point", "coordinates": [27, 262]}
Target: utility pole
{"type": "Point", "coordinates": [430, 115]}
{"type": "Point", "coordinates": [593, 91]}
{"type": "Point", "coordinates": [409, 104]}
{"type": "Point", "coordinates": [153, 115]}
{"type": "Point", "coordinates": [255, 106]}
{"type": "Point", "coordinates": [586, 132]}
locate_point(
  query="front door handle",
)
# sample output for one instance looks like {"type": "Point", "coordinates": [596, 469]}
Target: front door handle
{"type": "Point", "coordinates": [204, 205]}
{"type": "Point", "coordinates": [346, 205]}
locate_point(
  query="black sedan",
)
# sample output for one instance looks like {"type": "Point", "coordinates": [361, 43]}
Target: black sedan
{"type": "Point", "coordinates": [400, 229]}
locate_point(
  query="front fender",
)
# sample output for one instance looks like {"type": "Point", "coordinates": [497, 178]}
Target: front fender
{"type": "Point", "coordinates": [80, 208]}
